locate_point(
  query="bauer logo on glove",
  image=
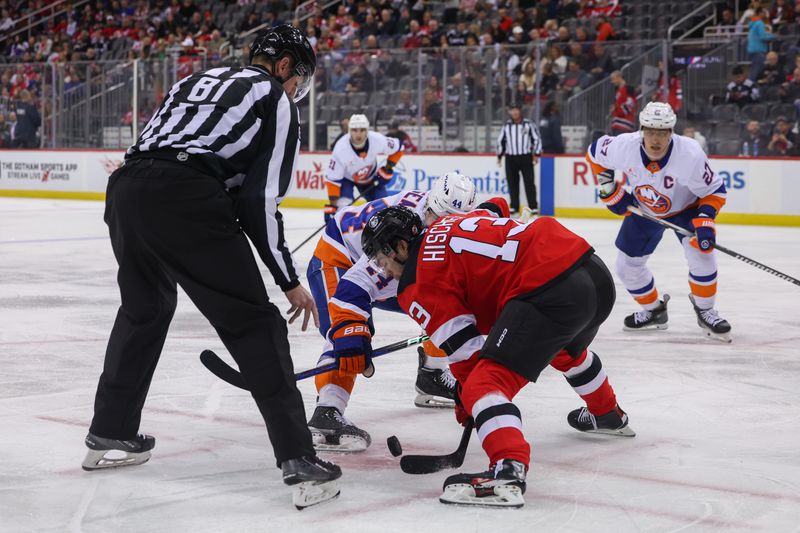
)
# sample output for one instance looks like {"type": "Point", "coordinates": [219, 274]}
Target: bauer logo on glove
{"type": "Point", "coordinates": [705, 234]}
{"type": "Point", "coordinates": [352, 346]}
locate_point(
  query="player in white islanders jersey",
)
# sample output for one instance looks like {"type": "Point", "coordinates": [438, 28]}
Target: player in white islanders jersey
{"type": "Point", "coordinates": [354, 165]}
{"type": "Point", "coordinates": [346, 287]}
{"type": "Point", "coordinates": [669, 177]}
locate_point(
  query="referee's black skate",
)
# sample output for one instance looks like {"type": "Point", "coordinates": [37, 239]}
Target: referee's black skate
{"type": "Point", "coordinates": [435, 387]}
{"type": "Point", "coordinates": [648, 319]}
{"type": "Point", "coordinates": [501, 486]}
{"type": "Point", "coordinates": [112, 453]}
{"type": "Point", "coordinates": [332, 432]}
{"type": "Point", "coordinates": [714, 326]}
{"type": "Point", "coordinates": [311, 479]}
{"type": "Point", "coordinates": [614, 422]}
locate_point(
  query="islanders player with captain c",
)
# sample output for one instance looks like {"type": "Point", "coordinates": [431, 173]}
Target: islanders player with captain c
{"type": "Point", "coordinates": [670, 177]}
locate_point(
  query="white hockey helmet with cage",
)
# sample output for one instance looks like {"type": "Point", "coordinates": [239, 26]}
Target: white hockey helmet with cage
{"type": "Point", "coordinates": [658, 116]}
{"type": "Point", "coordinates": [358, 121]}
{"type": "Point", "coordinates": [453, 193]}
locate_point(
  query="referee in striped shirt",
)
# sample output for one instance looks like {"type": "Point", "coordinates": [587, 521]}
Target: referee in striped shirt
{"type": "Point", "coordinates": [521, 144]}
{"type": "Point", "coordinates": [206, 174]}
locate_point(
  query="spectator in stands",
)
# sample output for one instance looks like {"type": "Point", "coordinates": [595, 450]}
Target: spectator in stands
{"type": "Point", "coordinates": [623, 110]}
{"type": "Point", "coordinates": [344, 126]}
{"type": "Point", "coordinates": [550, 129]}
{"type": "Point", "coordinates": [605, 31]}
{"type": "Point", "coordinates": [433, 109]}
{"type": "Point", "coordinates": [790, 91]}
{"type": "Point", "coordinates": [600, 63]}
{"type": "Point", "coordinates": [758, 38]}
{"type": "Point", "coordinates": [783, 141]}
{"type": "Point", "coordinates": [555, 59]}
{"type": "Point", "coordinates": [5, 132]}
{"type": "Point", "coordinates": [574, 79]}
{"type": "Point", "coordinates": [339, 78]}
{"type": "Point", "coordinates": [27, 121]}
{"type": "Point", "coordinates": [673, 95]}
{"type": "Point", "coordinates": [361, 81]}
{"type": "Point", "coordinates": [526, 87]}
{"type": "Point", "coordinates": [781, 14]}
{"type": "Point", "coordinates": [406, 110]}
{"type": "Point", "coordinates": [400, 135]}
{"type": "Point", "coordinates": [772, 74]}
{"type": "Point", "coordinates": [741, 91]}
{"type": "Point", "coordinates": [754, 144]}
{"type": "Point", "coordinates": [692, 133]}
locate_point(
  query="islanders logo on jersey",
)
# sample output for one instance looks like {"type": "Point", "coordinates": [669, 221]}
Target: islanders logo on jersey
{"type": "Point", "coordinates": [649, 197]}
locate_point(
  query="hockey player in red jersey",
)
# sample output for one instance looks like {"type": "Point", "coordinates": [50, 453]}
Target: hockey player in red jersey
{"type": "Point", "coordinates": [536, 291]}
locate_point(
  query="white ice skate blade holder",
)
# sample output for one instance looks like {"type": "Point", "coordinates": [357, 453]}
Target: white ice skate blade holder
{"type": "Point", "coordinates": [433, 402]}
{"type": "Point", "coordinates": [312, 493]}
{"type": "Point", "coordinates": [102, 459]}
{"type": "Point", "coordinates": [347, 443]}
{"type": "Point", "coordinates": [621, 432]}
{"type": "Point", "coordinates": [719, 337]}
{"type": "Point", "coordinates": [464, 494]}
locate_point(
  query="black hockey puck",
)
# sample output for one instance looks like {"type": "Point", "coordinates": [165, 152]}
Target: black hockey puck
{"type": "Point", "coordinates": [394, 446]}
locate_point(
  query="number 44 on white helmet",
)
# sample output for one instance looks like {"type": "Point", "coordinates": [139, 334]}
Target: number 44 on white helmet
{"type": "Point", "coordinates": [452, 193]}
{"type": "Point", "coordinates": [658, 116]}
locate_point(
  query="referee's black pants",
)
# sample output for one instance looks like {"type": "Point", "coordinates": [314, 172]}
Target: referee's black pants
{"type": "Point", "coordinates": [170, 226]}
{"type": "Point", "coordinates": [516, 165]}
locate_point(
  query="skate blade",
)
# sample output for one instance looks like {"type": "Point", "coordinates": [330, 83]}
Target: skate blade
{"type": "Point", "coordinates": [720, 337]}
{"type": "Point", "coordinates": [464, 494]}
{"type": "Point", "coordinates": [98, 459]}
{"type": "Point", "coordinates": [311, 493]}
{"type": "Point", "coordinates": [436, 402]}
{"type": "Point", "coordinates": [621, 432]}
{"type": "Point", "coordinates": [651, 327]}
{"type": "Point", "coordinates": [346, 444]}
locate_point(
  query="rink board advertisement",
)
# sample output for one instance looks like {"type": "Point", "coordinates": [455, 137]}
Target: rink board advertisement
{"type": "Point", "coordinates": [760, 191]}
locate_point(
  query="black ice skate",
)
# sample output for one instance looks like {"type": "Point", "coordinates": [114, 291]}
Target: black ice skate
{"type": "Point", "coordinates": [311, 480]}
{"type": "Point", "coordinates": [112, 453]}
{"type": "Point", "coordinates": [652, 319]}
{"type": "Point", "coordinates": [612, 423]}
{"type": "Point", "coordinates": [435, 388]}
{"type": "Point", "coordinates": [332, 432]}
{"type": "Point", "coordinates": [713, 325]}
{"type": "Point", "coordinates": [501, 486]}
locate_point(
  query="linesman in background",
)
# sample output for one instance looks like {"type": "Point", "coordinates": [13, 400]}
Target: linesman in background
{"type": "Point", "coordinates": [208, 172]}
{"type": "Point", "coordinates": [521, 144]}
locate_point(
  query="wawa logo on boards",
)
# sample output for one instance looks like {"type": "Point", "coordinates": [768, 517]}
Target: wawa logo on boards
{"type": "Point", "coordinates": [310, 176]}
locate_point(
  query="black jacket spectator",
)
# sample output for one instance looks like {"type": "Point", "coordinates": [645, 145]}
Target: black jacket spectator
{"type": "Point", "coordinates": [28, 122]}
{"type": "Point", "coordinates": [741, 91]}
{"type": "Point", "coordinates": [753, 143]}
{"type": "Point", "coordinates": [550, 130]}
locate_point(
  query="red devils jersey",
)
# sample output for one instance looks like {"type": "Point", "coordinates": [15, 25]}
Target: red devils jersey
{"type": "Point", "coordinates": [623, 118]}
{"type": "Point", "coordinates": [464, 269]}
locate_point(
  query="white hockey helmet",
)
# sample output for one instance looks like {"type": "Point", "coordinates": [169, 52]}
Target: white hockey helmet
{"type": "Point", "coordinates": [452, 193]}
{"type": "Point", "coordinates": [658, 115]}
{"type": "Point", "coordinates": [358, 121]}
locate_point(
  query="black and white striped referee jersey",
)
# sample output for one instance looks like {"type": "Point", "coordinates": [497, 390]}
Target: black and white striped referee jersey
{"type": "Point", "coordinates": [519, 139]}
{"type": "Point", "coordinates": [238, 125]}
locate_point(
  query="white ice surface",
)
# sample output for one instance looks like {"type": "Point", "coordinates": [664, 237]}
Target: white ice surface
{"type": "Point", "coordinates": [718, 426]}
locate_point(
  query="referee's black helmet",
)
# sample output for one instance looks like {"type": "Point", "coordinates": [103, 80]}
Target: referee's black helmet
{"type": "Point", "coordinates": [284, 40]}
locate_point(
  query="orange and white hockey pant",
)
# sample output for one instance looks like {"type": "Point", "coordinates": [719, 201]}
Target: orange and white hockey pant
{"type": "Point", "coordinates": [334, 389]}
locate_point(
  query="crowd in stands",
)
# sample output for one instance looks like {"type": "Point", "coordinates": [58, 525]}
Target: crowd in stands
{"type": "Point", "coordinates": [551, 48]}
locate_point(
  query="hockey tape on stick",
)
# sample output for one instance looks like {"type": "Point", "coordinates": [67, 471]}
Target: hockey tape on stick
{"type": "Point", "coordinates": [322, 227]}
{"type": "Point", "coordinates": [428, 464]}
{"type": "Point", "coordinates": [735, 255]}
{"type": "Point", "coordinates": [230, 375]}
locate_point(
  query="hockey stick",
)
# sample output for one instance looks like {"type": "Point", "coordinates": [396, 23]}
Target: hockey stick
{"type": "Point", "coordinates": [357, 198]}
{"type": "Point", "coordinates": [229, 375]}
{"type": "Point", "coordinates": [719, 247]}
{"type": "Point", "coordinates": [428, 464]}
